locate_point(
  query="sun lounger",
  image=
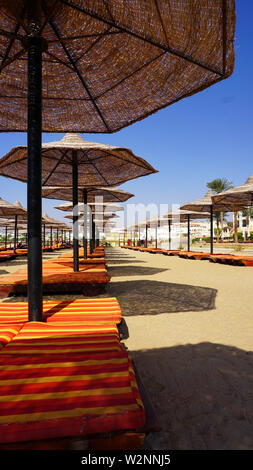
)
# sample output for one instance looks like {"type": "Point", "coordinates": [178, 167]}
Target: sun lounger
{"type": "Point", "coordinates": [90, 280]}
{"type": "Point", "coordinates": [7, 333]}
{"type": "Point", "coordinates": [51, 390]}
{"type": "Point", "coordinates": [170, 252]}
{"type": "Point", "coordinates": [94, 311]}
{"type": "Point", "coordinates": [196, 255]}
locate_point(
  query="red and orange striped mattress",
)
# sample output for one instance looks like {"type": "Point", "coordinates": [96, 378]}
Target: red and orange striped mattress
{"type": "Point", "coordinates": [60, 338]}
{"type": "Point", "coordinates": [60, 390]}
{"type": "Point", "coordinates": [80, 310]}
{"type": "Point", "coordinates": [7, 333]}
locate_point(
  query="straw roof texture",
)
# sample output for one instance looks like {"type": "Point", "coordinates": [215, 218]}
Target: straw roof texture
{"type": "Point", "coordinates": [10, 224]}
{"type": "Point", "coordinates": [103, 216]}
{"type": "Point", "coordinates": [238, 197]}
{"type": "Point", "coordinates": [95, 207]}
{"type": "Point", "coordinates": [98, 164]}
{"type": "Point", "coordinates": [182, 215]}
{"type": "Point", "coordinates": [204, 203]}
{"type": "Point", "coordinates": [51, 222]}
{"type": "Point", "coordinates": [110, 63]}
{"type": "Point", "coordinates": [65, 193]}
{"type": "Point", "coordinates": [10, 210]}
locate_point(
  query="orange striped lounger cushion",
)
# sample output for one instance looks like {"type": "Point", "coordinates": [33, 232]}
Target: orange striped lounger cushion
{"type": "Point", "coordinates": [7, 333]}
{"type": "Point", "coordinates": [87, 310]}
{"type": "Point", "coordinates": [43, 338]}
{"type": "Point", "coordinates": [66, 395]}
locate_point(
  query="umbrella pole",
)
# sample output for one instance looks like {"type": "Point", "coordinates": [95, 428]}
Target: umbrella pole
{"type": "Point", "coordinates": [34, 126]}
{"type": "Point", "coordinates": [169, 234]}
{"type": "Point", "coordinates": [15, 234]}
{"type": "Point", "coordinates": [75, 211]}
{"type": "Point", "coordinates": [211, 229]}
{"type": "Point", "coordinates": [85, 231]}
{"type": "Point", "coordinates": [51, 237]}
{"type": "Point", "coordinates": [90, 230]}
{"type": "Point", "coordinates": [146, 241]}
{"type": "Point", "coordinates": [188, 233]}
{"type": "Point", "coordinates": [44, 235]}
{"type": "Point", "coordinates": [93, 234]}
{"type": "Point", "coordinates": [156, 237]}
{"type": "Point", "coordinates": [57, 236]}
{"type": "Point", "coordinates": [6, 236]}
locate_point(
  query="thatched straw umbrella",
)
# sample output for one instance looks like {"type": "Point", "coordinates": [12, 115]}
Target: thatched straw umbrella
{"type": "Point", "coordinates": [205, 204]}
{"type": "Point", "coordinates": [53, 223]}
{"type": "Point", "coordinates": [10, 225]}
{"type": "Point", "coordinates": [13, 211]}
{"type": "Point", "coordinates": [94, 208]}
{"type": "Point", "coordinates": [92, 222]}
{"type": "Point", "coordinates": [239, 197]}
{"type": "Point", "coordinates": [91, 194]}
{"type": "Point", "coordinates": [106, 194]}
{"type": "Point", "coordinates": [90, 163]}
{"type": "Point", "coordinates": [181, 216]}
{"type": "Point", "coordinates": [104, 67]}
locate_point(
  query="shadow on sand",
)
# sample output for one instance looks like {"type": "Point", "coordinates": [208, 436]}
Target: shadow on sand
{"type": "Point", "coordinates": [202, 394]}
{"type": "Point", "coordinates": [134, 270]}
{"type": "Point", "coordinates": [154, 297]}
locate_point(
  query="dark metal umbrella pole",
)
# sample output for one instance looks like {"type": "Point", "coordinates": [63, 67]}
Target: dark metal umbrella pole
{"type": "Point", "coordinates": [15, 233]}
{"type": "Point", "coordinates": [6, 236]}
{"type": "Point", "coordinates": [34, 164]}
{"type": "Point", "coordinates": [188, 233]}
{"type": "Point", "coordinates": [75, 211]}
{"type": "Point", "coordinates": [211, 229]}
{"type": "Point", "coordinates": [93, 227]}
{"type": "Point", "coordinates": [85, 228]}
{"type": "Point", "coordinates": [169, 234]}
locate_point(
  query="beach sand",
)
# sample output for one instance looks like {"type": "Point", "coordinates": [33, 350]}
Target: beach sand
{"type": "Point", "coordinates": [190, 332]}
{"type": "Point", "coordinates": [190, 329]}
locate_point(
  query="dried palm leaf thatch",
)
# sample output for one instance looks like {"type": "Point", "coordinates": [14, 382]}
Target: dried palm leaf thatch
{"type": "Point", "coordinates": [204, 203]}
{"type": "Point", "coordinates": [238, 197]}
{"type": "Point", "coordinates": [98, 164]}
{"type": "Point", "coordinates": [93, 193]}
{"type": "Point", "coordinates": [107, 64]}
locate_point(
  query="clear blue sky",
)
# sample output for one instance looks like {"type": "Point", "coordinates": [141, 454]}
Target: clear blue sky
{"type": "Point", "coordinates": [206, 136]}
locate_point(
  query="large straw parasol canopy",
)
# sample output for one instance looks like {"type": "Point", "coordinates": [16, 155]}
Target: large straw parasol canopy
{"type": "Point", "coordinates": [95, 207]}
{"type": "Point", "coordinates": [109, 194]}
{"type": "Point", "coordinates": [202, 204]}
{"type": "Point", "coordinates": [237, 197]}
{"type": "Point", "coordinates": [51, 222]}
{"type": "Point", "coordinates": [182, 215]}
{"type": "Point", "coordinates": [11, 210]}
{"type": "Point", "coordinates": [98, 164]}
{"type": "Point", "coordinates": [112, 62]}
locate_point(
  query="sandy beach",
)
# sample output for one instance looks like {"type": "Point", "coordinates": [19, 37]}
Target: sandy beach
{"type": "Point", "coordinates": [190, 330]}
{"type": "Point", "coordinates": [190, 334]}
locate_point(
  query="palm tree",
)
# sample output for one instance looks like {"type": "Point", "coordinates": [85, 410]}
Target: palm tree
{"type": "Point", "coordinates": [219, 185]}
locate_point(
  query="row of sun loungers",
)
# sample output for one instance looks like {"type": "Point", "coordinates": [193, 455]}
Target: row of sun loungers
{"type": "Point", "coordinates": [223, 258]}
{"type": "Point", "coordinates": [8, 254]}
{"type": "Point", "coordinates": [59, 277]}
{"type": "Point", "coordinates": [68, 379]}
